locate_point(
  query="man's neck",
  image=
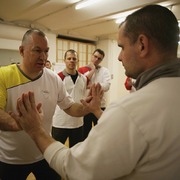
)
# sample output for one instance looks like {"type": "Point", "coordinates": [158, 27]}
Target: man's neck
{"type": "Point", "coordinates": [71, 71]}
{"type": "Point", "coordinates": [29, 73]}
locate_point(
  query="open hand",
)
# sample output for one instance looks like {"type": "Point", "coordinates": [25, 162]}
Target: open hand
{"type": "Point", "coordinates": [30, 115]}
{"type": "Point", "coordinates": [93, 101]}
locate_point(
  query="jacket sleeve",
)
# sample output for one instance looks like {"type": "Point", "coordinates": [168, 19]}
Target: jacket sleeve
{"type": "Point", "coordinates": [106, 80]}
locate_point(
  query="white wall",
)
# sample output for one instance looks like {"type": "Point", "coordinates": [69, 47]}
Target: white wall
{"type": "Point", "coordinates": [179, 51]}
{"type": "Point", "coordinates": [9, 57]}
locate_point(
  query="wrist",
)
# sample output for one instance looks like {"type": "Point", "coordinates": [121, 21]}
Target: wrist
{"type": "Point", "coordinates": [42, 139]}
{"type": "Point", "coordinates": [34, 133]}
{"type": "Point", "coordinates": [98, 112]}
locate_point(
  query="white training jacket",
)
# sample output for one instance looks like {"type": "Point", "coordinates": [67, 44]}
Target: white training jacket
{"type": "Point", "coordinates": [77, 91]}
{"type": "Point", "coordinates": [136, 138]}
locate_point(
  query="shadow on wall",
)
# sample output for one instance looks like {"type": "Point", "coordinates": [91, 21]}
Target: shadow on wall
{"type": "Point", "coordinates": [9, 56]}
{"type": "Point", "coordinates": [179, 50]}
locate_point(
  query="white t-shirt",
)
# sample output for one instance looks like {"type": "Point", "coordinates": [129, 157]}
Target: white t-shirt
{"type": "Point", "coordinates": [18, 147]}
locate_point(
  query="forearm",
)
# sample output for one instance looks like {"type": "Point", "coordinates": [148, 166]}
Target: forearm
{"type": "Point", "coordinates": [98, 113]}
{"type": "Point", "coordinates": [42, 139]}
{"type": "Point", "coordinates": [90, 74]}
{"type": "Point", "coordinates": [7, 123]}
{"type": "Point", "coordinates": [77, 110]}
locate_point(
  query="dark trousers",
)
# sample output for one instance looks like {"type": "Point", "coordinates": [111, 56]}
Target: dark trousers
{"type": "Point", "coordinates": [61, 134]}
{"type": "Point", "coordinates": [41, 171]}
{"type": "Point", "coordinates": [89, 120]}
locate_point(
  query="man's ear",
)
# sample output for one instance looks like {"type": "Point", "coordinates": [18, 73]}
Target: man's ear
{"type": "Point", "coordinates": [21, 50]}
{"type": "Point", "coordinates": [143, 45]}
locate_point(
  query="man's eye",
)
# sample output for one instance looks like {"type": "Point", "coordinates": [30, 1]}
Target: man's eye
{"type": "Point", "coordinates": [40, 51]}
{"type": "Point", "coordinates": [37, 50]}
